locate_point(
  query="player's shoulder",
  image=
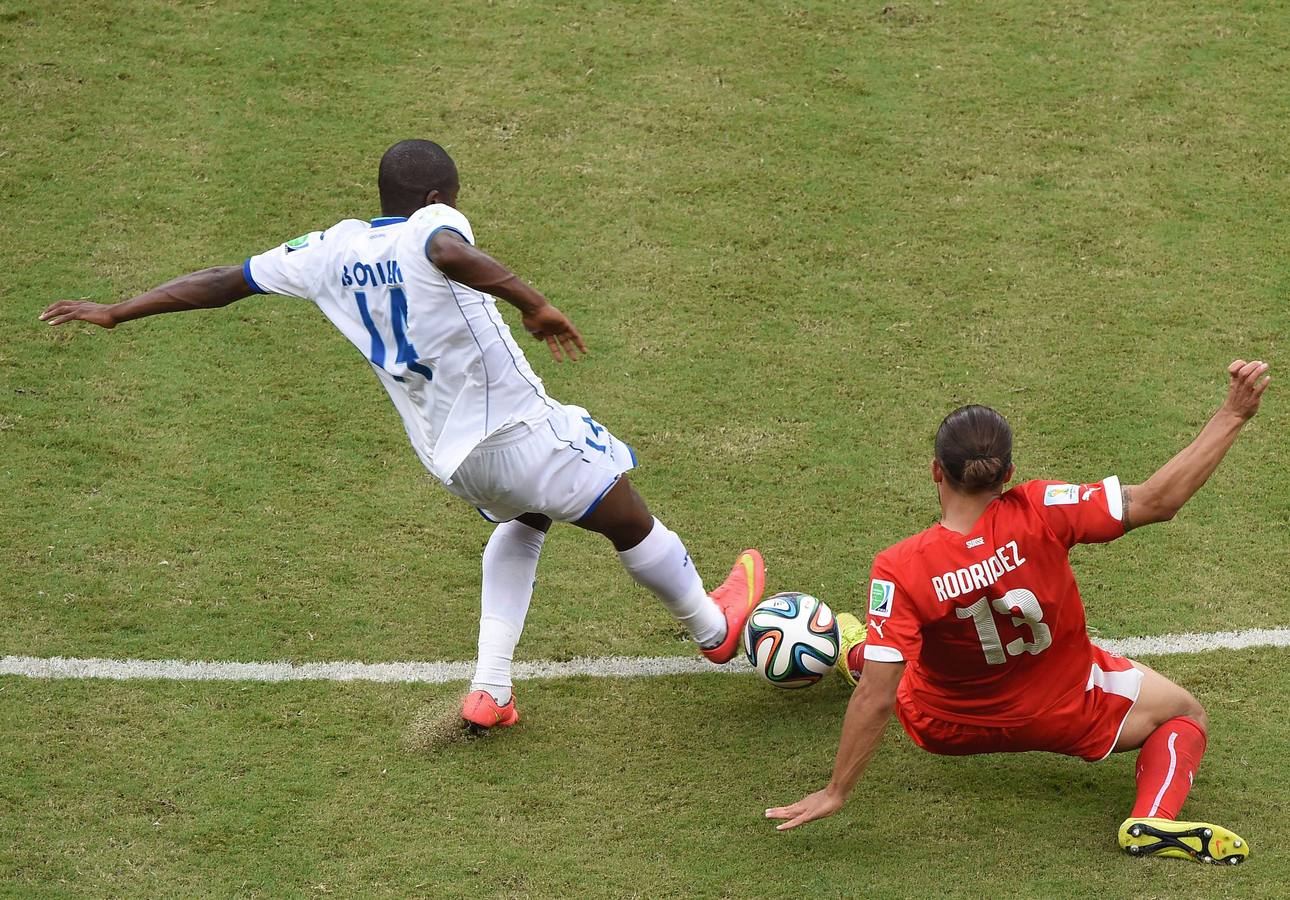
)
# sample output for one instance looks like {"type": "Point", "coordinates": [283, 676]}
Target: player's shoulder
{"type": "Point", "coordinates": [1027, 488]}
{"type": "Point", "coordinates": [317, 240]}
{"type": "Point", "coordinates": [345, 228]}
{"type": "Point", "coordinates": [439, 215]}
{"type": "Point", "coordinates": [897, 571]}
{"type": "Point", "coordinates": [915, 546]}
{"type": "Point", "coordinates": [1029, 493]}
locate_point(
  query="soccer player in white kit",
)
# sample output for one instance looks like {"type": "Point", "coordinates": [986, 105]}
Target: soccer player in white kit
{"type": "Point", "coordinates": [413, 294]}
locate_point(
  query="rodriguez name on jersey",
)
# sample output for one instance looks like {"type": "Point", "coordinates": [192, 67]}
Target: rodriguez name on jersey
{"type": "Point", "coordinates": [978, 576]}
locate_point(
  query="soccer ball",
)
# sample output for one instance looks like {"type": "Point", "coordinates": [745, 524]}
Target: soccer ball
{"type": "Point", "coordinates": [792, 639]}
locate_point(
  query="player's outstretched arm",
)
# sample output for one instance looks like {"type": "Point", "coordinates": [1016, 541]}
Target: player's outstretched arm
{"type": "Point", "coordinates": [871, 706]}
{"type": "Point", "coordinates": [207, 289]}
{"type": "Point", "coordinates": [465, 264]}
{"type": "Point", "coordinates": [1160, 497]}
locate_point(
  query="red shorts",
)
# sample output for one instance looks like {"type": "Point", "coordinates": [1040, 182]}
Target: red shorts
{"type": "Point", "coordinates": [1087, 725]}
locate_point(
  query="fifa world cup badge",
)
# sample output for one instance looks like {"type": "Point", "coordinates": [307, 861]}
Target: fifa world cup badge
{"type": "Point", "coordinates": [881, 593]}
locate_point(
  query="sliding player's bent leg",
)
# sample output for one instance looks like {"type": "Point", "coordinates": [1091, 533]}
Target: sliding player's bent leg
{"type": "Point", "coordinates": [1159, 700]}
{"type": "Point", "coordinates": [655, 557]}
{"type": "Point", "coordinates": [1169, 725]}
{"type": "Point", "coordinates": [510, 567]}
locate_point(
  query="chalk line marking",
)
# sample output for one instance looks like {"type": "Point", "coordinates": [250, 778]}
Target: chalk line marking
{"type": "Point", "coordinates": [596, 667]}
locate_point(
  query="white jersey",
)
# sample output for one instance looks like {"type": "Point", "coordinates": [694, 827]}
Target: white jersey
{"type": "Point", "coordinates": [441, 349]}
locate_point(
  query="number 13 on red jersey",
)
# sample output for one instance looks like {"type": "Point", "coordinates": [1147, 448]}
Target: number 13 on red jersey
{"type": "Point", "coordinates": [1022, 606]}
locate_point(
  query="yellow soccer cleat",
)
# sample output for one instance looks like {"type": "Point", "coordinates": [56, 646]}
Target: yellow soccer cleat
{"type": "Point", "coordinates": [852, 633]}
{"type": "Point", "coordinates": [1200, 841]}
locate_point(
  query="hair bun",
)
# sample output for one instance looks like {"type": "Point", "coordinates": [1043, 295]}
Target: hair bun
{"type": "Point", "coordinates": [974, 448]}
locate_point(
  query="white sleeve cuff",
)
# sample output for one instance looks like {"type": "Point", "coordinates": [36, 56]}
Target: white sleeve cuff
{"type": "Point", "coordinates": [1114, 499]}
{"type": "Point", "coordinates": [882, 654]}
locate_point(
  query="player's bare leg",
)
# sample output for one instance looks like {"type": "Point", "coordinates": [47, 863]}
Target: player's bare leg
{"type": "Point", "coordinates": [510, 567]}
{"type": "Point", "coordinates": [1168, 725]}
{"type": "Point", "coordinates": [621, 516]}
{"type": "Point", "coordinates": [1159, 700]}
{"type": "Point", "coordinates": [655, 557]}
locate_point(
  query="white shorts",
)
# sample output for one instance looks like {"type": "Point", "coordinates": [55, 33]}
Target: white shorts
{"type": "Point", "coordinates": [561, 467]}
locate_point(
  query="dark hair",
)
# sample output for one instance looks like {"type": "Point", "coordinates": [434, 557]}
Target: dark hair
{"type": "Point", "coordinates": [974, 447]}
{"type": "Point", "coordinates": [410, 170]}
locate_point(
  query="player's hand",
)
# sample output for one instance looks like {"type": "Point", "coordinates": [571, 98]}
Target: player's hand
{"type": "Point", "coordinates": [1248, 382]}
{"type": "Point", "coordinates": [84, 310]}
{"type": "Point", "coordinates": [549, 324]}
{"type": "Point", "coordinates": [808, 809]}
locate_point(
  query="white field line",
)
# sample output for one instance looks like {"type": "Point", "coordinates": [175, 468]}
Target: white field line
{"type": "Point", "coordinates": [596, 667]}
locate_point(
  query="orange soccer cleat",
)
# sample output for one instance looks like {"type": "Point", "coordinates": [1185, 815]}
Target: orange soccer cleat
{"type": "Point", "coordinates": [481, 711]}
{"type": "Point", "coordinates": [736, 596]}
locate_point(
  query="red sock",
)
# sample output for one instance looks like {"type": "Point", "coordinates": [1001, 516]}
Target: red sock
{"type": "Point", "coordinates": [1167, 763]}
{"type": "Point", "coordinates": [855, 659]}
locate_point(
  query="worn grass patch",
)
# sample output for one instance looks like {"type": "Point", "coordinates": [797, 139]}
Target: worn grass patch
{"type": "Point", "coordinates": [437, 724]}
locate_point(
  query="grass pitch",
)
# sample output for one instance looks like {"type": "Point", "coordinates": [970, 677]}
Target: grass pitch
{"type": "Point", "coordinates": [639, 788]}
{"type": "Point", "coordinates": [794, 236]}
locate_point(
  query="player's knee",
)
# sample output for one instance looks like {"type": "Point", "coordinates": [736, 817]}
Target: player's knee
{"type": "Point", "coordinates": [621, 516]}
{"type": "Point", "coordinates": [1186, 706]}
{"type": "Point", "coordinates": [626, 534]}
{"type": "Point", "coordinates": [1197, 713]}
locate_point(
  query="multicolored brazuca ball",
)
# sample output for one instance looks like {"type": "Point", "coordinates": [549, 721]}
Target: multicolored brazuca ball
{"type": "Point", "coordinates": [791, 639]}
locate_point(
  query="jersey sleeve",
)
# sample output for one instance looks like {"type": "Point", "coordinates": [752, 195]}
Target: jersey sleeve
{"type": "Point", "coordinates": [1079, 513]}
{"type": "Point", "coordinates": [893, 627]}
{"type": "Point", "coordinates": [439, 216]}
{"type": "Point", "coordinates": [292, 269]}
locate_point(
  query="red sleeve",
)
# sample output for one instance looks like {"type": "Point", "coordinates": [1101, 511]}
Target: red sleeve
{"type": "Point", "coordinates": [893, 627]}
{"type": "Point", "coordinates": [1078, 513]}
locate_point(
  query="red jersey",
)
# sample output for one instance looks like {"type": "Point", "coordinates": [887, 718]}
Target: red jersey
{"type": "Point", "coordinates": [991, 622]}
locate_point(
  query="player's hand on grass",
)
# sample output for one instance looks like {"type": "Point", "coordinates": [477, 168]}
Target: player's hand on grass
{"type": "Point", "coordinates": [1248, 382]}
{"type": "Point", "coordinates": [808, 809]}
{"type": "Point", "coordinates": [546, 323]}
{"type": "Point", "coordinates": [84, 310]}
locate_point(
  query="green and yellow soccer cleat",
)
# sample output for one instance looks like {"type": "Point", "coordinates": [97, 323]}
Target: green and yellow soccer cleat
{"type": "Point", "coordinates": [852, 633]}
{"type": "Point", "coordinates": [1200, 841]}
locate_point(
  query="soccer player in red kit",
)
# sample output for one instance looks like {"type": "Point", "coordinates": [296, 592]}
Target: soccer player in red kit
{"type": "Point", "coordinates": [976, 639]}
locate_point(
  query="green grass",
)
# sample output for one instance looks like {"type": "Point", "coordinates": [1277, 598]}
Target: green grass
{"type": "Point", "coordinates": [795, 235]}
{"type": "Point", "coordinates": [300, 790]}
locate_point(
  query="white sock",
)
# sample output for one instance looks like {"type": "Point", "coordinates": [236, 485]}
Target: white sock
{"type": "Point", "coordinates": [510, 566]}
{"type": "Point", "coordinates": [661, 563]}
